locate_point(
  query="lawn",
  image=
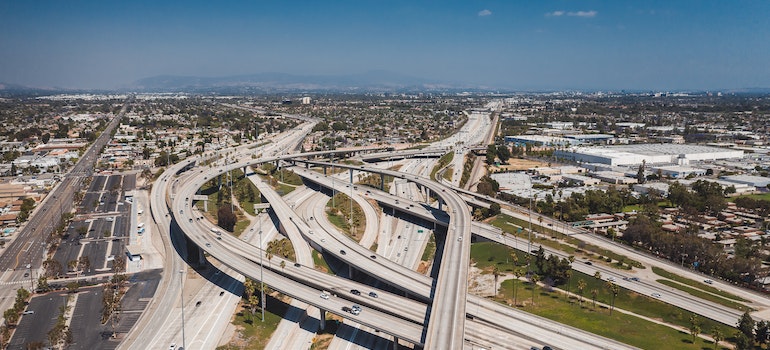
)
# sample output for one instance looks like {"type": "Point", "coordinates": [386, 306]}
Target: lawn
{"type": "Point", "coordinates": [487, 255]}
{"type": "Point", "coordinates": [621, 327]}
{"type": "Point", "coordinates": [515, 226]}
{"type": "Point", "coordinates": [255, 333]}
{"type": "Point", "coordinates": [320, 262]}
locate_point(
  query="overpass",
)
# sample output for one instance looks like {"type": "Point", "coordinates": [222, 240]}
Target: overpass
{"type": "Point", "coordinates": [402, 154]}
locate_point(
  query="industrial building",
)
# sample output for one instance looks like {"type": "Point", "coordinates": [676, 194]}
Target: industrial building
{"type": "Point", "coordinates": [756, 181]}
{"type": "Point", "coordinates": [658, 153]}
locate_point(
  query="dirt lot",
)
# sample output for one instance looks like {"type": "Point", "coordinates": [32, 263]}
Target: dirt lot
{"type": "Point", "coordinates": [521, 164]}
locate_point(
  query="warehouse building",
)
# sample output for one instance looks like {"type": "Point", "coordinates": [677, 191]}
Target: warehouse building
{"type": "Point", "coordinates": [658, 153]}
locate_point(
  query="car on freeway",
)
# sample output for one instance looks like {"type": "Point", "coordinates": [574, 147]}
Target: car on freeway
{"type": "Point", "coordinates": [546, 347]}
{"type": "Point", "coordinates": [355, 292]}
{"type": "Point", "coordinates": [172, 346]}
{"type": "Point", "coordinates": [656, 295]}
{"type": "Point", "coordinates": [611, 279]}
{"type": "Point", "coordinates": [589, 263]}
{"type": "Point", "coordinates": [373, 256]}
{"type": "Point", "coordinates": [346, 309]}
{"type": "Point", "coordinates": [324, 296]}
{"type": "Point", "coordinates": [208, 244]}
{"type": "Point", "coordinates": [708, 281]}
{"type": "Point", "coordinates": [297, 264]}
{"type": "Point", "coordinates": [198, 303]}
{"type": "Point", "coordinates": [373, 294]}
{"type": "Point", "coordinates": [355, 309]}
{"type": "Point", "coordinates": [342, 252]}
{"type": "Point", "coordinates": [635, 279]}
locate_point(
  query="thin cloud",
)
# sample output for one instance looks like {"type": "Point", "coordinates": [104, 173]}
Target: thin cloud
{"type": "Point", "coordinates": [584, 14]}
{"type": "Point", "coordinates": [484, 13]}
{"type": "Point", "coordinates": [587, 14]}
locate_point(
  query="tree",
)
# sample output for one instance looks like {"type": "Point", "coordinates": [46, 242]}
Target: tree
{"type": "Point", "coordinates": [580, 286]}
{"type": "Point", "coordinates": [42, 284]}
{"type": "Point", "coordinates": [640, 173]}
{"type": "Point", "coordinates": [225, 217]}
{"type": "Point", "coordinates": [694, 327]}
{"type": "Point", "coordinates": [594, 293]}
{"type": "Point", "coordinates": [742, 342]}
{"type": "Point", "coordinates": [496, 273]}
{"type": "Point", "coordinates": [85, 263]}
{"type": "Point", "coordinates": [761, 333]}
{"type": "Point", "coordinates": [614, 290]}
{"type": "Point", "coordinates": [283, 264]}
{"type": "Point", "coordinates": [746, 325]}
{"type": "Point", "coordinates": [534, 278]}
{"type": "Point", "coordinates": [516, 274]}
{"type": "Point", "coordinates": [718, 336]}
{"type": "Point", "coordinates": [11, 316]}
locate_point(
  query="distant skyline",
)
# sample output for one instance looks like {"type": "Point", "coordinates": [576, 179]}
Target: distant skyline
{"type": "Point", "coordinates": [525, 45]}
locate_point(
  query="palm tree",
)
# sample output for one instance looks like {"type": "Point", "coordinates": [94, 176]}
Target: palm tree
{"type": "Point", "coordinates": [580, 286]}
{"type": "Point", "coordinates": [718, 336]}
{"type": "Point", "coordinates": [594, 292]}
{"type": "Point", "coordinates": [283, 264]}
{"type": "Point", "coordinates": [614, 290]}
{"type": "Point", "coordinates": [598, 275]}
{"type": "Point", "coordinates": [496, 273]}
{"type": "Point", "coordinates": [534, 279]}
{"type": "Point", "coordinates": [571, 259]}
{"type": "Point", "coordinates": [516, 274]}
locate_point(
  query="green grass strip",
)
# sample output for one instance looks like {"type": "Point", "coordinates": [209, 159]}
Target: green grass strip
{"type": "Point", "coordinates": [683, 280]}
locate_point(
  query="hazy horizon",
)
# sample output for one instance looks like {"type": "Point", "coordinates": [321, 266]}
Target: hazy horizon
{"type": "Point", "coordinates": [653, 45]}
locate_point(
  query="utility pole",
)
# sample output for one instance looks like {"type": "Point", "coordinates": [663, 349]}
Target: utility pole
{"type": "Point", "coordinates": [181, 279]}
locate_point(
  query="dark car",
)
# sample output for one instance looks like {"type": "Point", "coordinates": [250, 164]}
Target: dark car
{"type": "Point", "coordinates": [589, 263]}
{"type": "Point", "coordinates": [342, 252]}
{"type": "Point", "coordinates": [346, 309]}
{"type": "Point", "coordinates": [373, 294]}
{"type": "Point", "coordinates": [297, 264]}
{"type": "Point", "coordinates": [355, 292]}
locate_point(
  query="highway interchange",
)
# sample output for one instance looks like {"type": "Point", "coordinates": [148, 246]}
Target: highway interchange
{"type": "Point", "coordinates": [441, 301]}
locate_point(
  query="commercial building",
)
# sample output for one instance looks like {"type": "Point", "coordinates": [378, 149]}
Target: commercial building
{"type": "Point", "coordinates": [658, 153]}
{"type": "Point", "coordinates": [756, 181]}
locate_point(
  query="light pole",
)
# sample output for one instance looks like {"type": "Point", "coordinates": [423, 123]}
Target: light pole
{"type": "Point", "coordinates": [529, 239]}
{"type": "Point", "coordinates": [181, 280]}
{"type": "Point", "coordinates": [261, 276]}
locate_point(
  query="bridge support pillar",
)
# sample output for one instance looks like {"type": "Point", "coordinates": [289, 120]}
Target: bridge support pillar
{"type": "Point", "coordinates": [206, 206]}
{"type": "Point", "coordinates": [395, 343]}
{"type": "Point", "coordinates": [351, 176]}
{"type": "Point", "coordinates": [244, 171]}
{"type": "Point", "coordinates": [322, 320]}
{"type": "Point", "coordinates": [351, 271]}
{"type": "Point", "coordinates": [382, 182]}
{"type": "Point", "coordinates": [324, 170]}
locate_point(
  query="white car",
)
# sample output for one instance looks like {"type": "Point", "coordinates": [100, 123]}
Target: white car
{"type": "Point", "coordinates": [708, 281]}
{"type": "Point", "coordinates": [656, 295]}
{"type": "Point", "coordinates": [324, 296]}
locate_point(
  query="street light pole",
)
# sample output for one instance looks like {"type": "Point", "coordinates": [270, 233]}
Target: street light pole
{"type": "Point", "coordinates": [261, 276]}
{"type": "Point", "coordinates": [529, 240]}
{"type": "Point", "coordinates": [181, 280]}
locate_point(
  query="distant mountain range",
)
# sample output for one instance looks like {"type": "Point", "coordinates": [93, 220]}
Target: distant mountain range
{"type": "Point", "coordinates": [369, 81]}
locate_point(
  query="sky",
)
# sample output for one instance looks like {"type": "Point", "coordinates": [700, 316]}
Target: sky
{"type": "Point", "coordinates": [514, 44]}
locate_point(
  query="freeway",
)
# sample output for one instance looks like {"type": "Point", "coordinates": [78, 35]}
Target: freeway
{"type": "Point", "coordinates": [585, 340]}
{"type": "Point", "coordinates": [671, 296]}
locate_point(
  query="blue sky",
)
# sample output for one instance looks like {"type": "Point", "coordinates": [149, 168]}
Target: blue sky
{"type": "Point", "coordinates": [657, 45]}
